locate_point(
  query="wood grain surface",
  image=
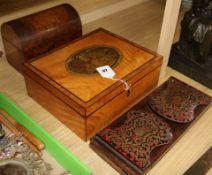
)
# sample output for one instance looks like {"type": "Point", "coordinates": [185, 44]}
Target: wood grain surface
{"type": "Point", "coordinates": [52, 64]}
{"type": "Point", "coordinates": [202, 165]}
{"type": "Point", "coordinates": [30, 36]}
{"type": "Point", "coordinates": [17, 129]}
{"type": "Point", "coordinates": [94, 100]}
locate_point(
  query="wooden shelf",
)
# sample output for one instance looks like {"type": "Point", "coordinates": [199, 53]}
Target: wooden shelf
{"type": "Point", "coordinates": [141, 24]}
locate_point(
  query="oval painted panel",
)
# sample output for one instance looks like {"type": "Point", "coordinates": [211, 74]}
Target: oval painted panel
{"type": "Point", "coordinates": [85, 61]}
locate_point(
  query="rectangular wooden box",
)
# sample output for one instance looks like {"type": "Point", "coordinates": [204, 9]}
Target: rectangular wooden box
{"type": "Point", "coordinates": [86, 103]}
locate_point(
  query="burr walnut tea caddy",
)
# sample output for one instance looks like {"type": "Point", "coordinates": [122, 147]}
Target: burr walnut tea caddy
{"type": "Point", "coordinates": [35, 34]}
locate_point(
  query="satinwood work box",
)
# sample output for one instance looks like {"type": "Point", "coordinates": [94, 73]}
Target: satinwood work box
{"type": "Point", "coordinates": [66, 84]}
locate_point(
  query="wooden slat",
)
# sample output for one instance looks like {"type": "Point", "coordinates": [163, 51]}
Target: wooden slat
{"type": "Point", "coordinates": [17, 128]}
{"type": "Point", "coordinates": [167, 32]}
{"type": "Point", "coordinates": [202, 165]}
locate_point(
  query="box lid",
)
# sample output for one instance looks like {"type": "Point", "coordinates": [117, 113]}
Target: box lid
{"type": "Point", "coordinates": [88, 91]}
{"type": "Point", "coordinates": [42, 31]}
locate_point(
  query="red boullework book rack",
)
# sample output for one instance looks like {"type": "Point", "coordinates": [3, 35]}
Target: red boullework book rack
{"type": "Point", "coordinates": [141, 136]}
